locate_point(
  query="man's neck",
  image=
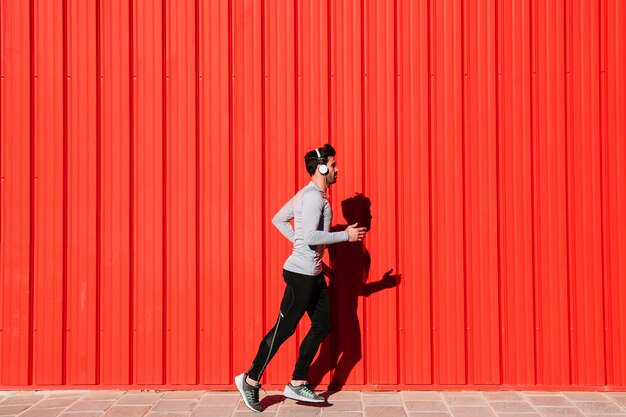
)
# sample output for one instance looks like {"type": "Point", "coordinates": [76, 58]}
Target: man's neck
{"type": "Point", "coordinates": [320, 182]}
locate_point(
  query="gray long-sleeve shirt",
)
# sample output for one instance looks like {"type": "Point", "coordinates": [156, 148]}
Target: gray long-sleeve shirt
{"type": "Point", "coordinates": [312, 217]}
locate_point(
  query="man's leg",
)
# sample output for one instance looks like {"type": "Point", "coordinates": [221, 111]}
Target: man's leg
{"type": "Point", "coordinates": [319, 312]}
{"type": "Point", "coordinates": [298, 294]}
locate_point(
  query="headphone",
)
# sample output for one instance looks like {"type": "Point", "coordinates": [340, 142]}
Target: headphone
{"type": "Point", "coordinates": [322, 168]}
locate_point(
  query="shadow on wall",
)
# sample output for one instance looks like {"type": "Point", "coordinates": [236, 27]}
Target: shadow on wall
{"type": "Point", "coordinates": [348, 275]}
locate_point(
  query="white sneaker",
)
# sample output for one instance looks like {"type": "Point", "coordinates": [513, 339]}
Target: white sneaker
{"type": "Point", "coordinates": [302, 393]}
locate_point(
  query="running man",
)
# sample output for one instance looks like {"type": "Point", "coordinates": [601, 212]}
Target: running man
{"type": "Point", "coordinates": [306, 290]}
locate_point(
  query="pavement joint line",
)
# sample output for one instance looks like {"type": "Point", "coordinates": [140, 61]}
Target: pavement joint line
{"type": "Point", "coordinates": [482, 393]}
{"type": "Point", "coordinates": [445, 402]}
{"type": "Point", "coordinates": [531, 404]}
{"type": "Point", "coordinates": [402, 400]}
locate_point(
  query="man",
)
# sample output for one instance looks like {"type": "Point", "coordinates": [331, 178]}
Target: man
{"type": "Point", "coordinates": [306, 290]}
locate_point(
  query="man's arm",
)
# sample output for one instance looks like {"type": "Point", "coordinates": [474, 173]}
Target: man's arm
{"type": "Point", "coordinates": [281, 221]}
{"type": "Point", "coordinates": [312, 206]}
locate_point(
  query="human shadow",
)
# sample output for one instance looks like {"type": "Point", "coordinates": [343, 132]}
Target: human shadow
{"type": "Point", "coordinates": [270, 400]}
{"type": "Point", "coordinates": [347, 276]}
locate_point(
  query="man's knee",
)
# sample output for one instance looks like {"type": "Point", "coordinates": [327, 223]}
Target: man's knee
{"type": "Point", "coordinates": [280, 333]}
{"type": "Point", "coordinates": [288, 329]}
{"type": "Point", "coordinates": [322, 328]}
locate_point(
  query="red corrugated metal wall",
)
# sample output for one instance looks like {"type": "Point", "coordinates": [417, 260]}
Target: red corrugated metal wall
{"type": "Point", "coordinates": [145, 146]}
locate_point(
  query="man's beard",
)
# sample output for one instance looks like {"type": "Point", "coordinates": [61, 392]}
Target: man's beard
{"type": "Point", "coordinates": [331, 180]}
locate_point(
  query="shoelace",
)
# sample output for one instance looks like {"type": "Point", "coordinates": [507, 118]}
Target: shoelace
{"type": "Point", "coordinates": [307, 391]}
{"type": "Point", "coordinates": [253, 394]}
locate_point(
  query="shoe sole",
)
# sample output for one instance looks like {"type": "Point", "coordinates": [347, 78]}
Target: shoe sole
{"type": "Point", "coordinates": [293, 396]}
{"type": "Point", "coordinates": [239, 385]}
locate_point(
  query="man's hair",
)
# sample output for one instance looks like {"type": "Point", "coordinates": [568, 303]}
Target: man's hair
{"type": "Point", "coordinates": [312, 161]}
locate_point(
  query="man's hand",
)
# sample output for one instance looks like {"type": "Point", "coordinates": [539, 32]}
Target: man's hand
{"type": "Point", "coordinates": [391, 280]}
{"type": "Point", "coordinates": [356, 234]}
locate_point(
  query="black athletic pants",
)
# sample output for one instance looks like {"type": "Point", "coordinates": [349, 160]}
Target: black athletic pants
{"type": "Point", "coordinates": [304, 293]}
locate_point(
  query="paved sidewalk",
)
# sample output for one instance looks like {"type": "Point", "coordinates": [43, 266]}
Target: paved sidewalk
{"type": "Point", "coordinates": [340, 404]}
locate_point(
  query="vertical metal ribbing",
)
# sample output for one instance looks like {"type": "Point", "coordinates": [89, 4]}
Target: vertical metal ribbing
{"type": "Point", "coordinates": [164, 78]}
{"type": "Point", "coordinates": [31, 245]}
{"type": "Point", "coordinates": [566, 26]}
{"type": "Point", "coordinates": [65, 190]}
{"type": "Point", "coordinates": [199, 286]}
{"type": "Point", "coordinates": [98, 219]}
{"type": "Point", "coordinates": [430, 190]}
{"type": "Point", "coordinates": [605, 310]}
{"type": "Point", "coordinates": [231, 215]}
{"type": "Point", "coordinates": [131, 197]}
{"type": "Point", "coordinates": [499, 234]}
{"type": "Point", "coordinates": [464, 192]}
{"type": "Point", "coordinates": [263, 177]}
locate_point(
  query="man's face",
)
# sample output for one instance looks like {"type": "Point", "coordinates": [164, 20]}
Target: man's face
{"type": "Point", "coordinates": [331, 177]}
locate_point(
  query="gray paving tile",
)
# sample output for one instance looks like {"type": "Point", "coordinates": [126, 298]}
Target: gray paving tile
{"type": "Point", "coordinates": [56, 402]}
{"type": "Point", "coordinates": [549, 400]}
{"type": "Point", "coordinates": [103, 395]}
{"type": "Point", "coordinates": [183, 395]}
{"type": "Point", "coordinates": [503, 396]}
{"type": "Point", "coordinates": [345, 405]}
{"type": "Point", "coordinates": [420, 395]}
{"type": "Point", "coordinates": [344, 395]}
{"type": "Point", "coordinates": [42, 412]}
{"type": "Point", "coordinates": [91, 405]}
{"type": "Point", "coordinates": [384, 411]}
{"type": "Point", "coordinates": [243, 414]}
{"type": "Point", "coordinates": [168, 406]}
{"type": "Point", "coordinates": [426, 406]}
{"type": "Point", "coordinates": [607, 415]}
{"type": "Point", "coordinates": [387, 399]}
{"type": "Point", "coordinates": [17, 393]}
{"type": "Point", "coordinates": [511, 406]}
{"type": "Point", "coordinates": [127, 411]}
{"type": "Point", "coordinates": [461, 393]}
{"type": "Point", "coordinates": [139, 399]}
{"type": "Point", "coordinates": [219, 399]}
{"type": "Point", "coordinates": [298, 411]}
{"type": "Point", "coordinates": [560, 412]}
{"type": "Point", "coordinates": [64, 393]}
{"type": "Point", "coordinates": [586, 396]}
{"type": "Point", "coordinates": [619, 400]}
{"type": "Point", "coordinates": [465, 400]}
{"type": "Point", "coordinates": [12, 410]}
{"type": "Point", "coordinates": [26, 399]}
{"type": "Point", "coordinates": [427, 414]}
{"type": "Point", "coordinates": [470, 411]}
{"type": "Point", "coordinates": [212, 410]}
{"type": "Point", "coordinates": [597, 407]}
{"type": "Point", "coordinates": [341, 413]}
{"type": "Point", "coordinates": [224, 402]}
{"type": "Point", "coordinates": [70, 394]}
